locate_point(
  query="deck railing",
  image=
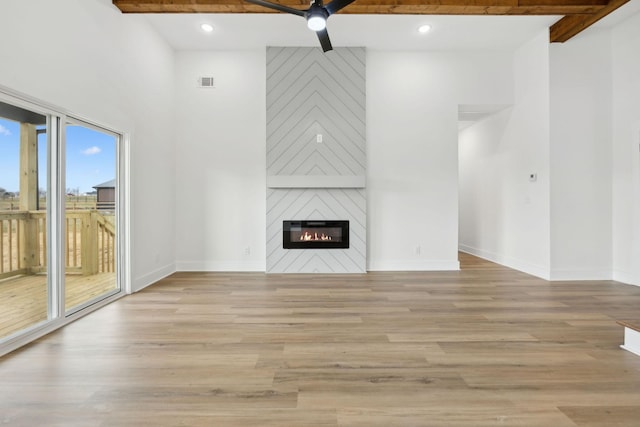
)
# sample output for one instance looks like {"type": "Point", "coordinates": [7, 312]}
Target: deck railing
{"type": "Point", "coordinates": [89, 243]}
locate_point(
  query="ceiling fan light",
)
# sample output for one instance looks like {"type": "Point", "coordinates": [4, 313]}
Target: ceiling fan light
{"type": "Point", "coordinates": [316, 22]}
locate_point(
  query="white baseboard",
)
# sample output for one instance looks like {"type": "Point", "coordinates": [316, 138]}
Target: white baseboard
{"type": "Point", "coordinates": [257, 266]}
{"type": "Point", "coordinates": [582, 275]}
{"type": "Point", "coordinates": [315, 272]}
{"type": "Point", "coordinates": [411, 265]}
{"type": "Point", "coordinates": [231, 265]}
{"type": "Point", "coordinates": [625, 277]}
{"type": "Point", "coordinates": [150, 278]}
{"type": "Point", "coordinates": [514, 263]}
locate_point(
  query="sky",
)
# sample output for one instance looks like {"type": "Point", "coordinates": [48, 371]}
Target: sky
{"type": "Point", "coordinates": [90, 157]}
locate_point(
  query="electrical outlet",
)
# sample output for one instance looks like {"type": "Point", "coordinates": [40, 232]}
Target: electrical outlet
{"type": "Point", "coordinates": [247, 250]}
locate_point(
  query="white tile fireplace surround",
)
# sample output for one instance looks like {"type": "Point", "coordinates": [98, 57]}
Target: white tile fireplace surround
{"type": "Point", "coordinates": [316, 154]}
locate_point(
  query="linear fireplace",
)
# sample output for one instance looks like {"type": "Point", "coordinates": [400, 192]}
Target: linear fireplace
{"type": "Point", "coordinates": [315, 234]}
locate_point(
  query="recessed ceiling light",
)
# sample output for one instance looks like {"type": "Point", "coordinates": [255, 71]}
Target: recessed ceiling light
{"type": "Point", "coordinates": [422, 29]}
{"type": "Point", "coordinates": [207, 28]}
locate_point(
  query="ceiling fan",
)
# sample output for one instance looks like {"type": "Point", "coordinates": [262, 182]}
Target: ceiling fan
{"type": "Point", "coordinates": [316, 16]}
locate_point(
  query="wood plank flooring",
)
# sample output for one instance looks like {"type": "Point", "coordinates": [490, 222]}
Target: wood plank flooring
{"type": "Point", "coordinates": [486, 346]}
{"type": "Point", "coordinates": [23, 299]}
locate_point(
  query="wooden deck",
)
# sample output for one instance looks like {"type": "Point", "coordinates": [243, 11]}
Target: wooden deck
{"type": "Point", "coordinates": [485, 346]}
{"type": "Point", "coordinates": [23, 299]}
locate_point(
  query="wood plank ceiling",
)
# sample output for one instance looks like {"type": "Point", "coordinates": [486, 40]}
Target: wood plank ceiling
{"type": "Point", "coordinates": [577, 14]}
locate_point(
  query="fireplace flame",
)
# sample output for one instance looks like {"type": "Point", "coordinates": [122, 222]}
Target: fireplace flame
{"type": "Point", "coordinates": [309, 237]}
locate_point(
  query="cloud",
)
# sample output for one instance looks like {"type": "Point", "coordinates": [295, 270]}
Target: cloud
{"type": "Point", "coordinates": [91, 151]}
{"type": "Point", "coordinates": [4, 131]}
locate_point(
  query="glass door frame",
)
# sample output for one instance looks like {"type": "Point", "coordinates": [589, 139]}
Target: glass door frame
{"type": "Point", "coordinates": [57, 118]}
{"type": "Point", "coordinates": [75, 121]}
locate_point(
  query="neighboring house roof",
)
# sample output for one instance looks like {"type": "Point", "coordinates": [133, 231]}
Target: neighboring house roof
{"type": "Point", "coordinates": [108, 184]}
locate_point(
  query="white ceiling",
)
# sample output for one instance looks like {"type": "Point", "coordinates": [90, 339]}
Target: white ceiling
{"type": "Point", "coordinates": [397, 32]}
{"type": "Point", "coordinates": [246, 31]}
{"type": "Point", "coordinates": [384, 32]}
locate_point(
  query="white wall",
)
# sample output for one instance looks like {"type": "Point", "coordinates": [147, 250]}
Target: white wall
{"type": "Point", "coordinates": [581, 156]}
{"type": "Point", "coordinates": [504, 217]}
{"type": "Point", "coordinates": [88, 58]}
{"type": "Point", "coordinates": [113, 69]}
{"type": "Point", "coordinates": [220, 161]}
{"type": "Point", "coordinates": [626, 151]}
{"type": "Point", "coordinates": [412, 150]}
{"type": "Point", "coordinates": [412, 179]}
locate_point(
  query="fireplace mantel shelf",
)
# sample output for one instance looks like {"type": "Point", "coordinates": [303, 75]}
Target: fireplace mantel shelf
{"type": "Point", "coordinates": [316, 181]}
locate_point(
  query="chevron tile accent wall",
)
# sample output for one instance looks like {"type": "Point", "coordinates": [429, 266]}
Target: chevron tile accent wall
{"type": "Point", "coordinates": [316, 127]}
{"type": "Point", "coordinates": [317, 204]}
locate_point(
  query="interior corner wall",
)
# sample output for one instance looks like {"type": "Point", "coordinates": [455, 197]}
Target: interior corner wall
{"type": "Point", "coordinates": [220, 161]}
{"type": "Point", "coordinates": [114, 70]}
{"type": "Point", "coordinates": [505, 216]}
{"type": "Point", "coordinates": [412, 150]}
{"type": "Point", "coordinates": [626, 151]}
{"type": "Point", "coordinates": [581, 157]}
{"type": "Point", "coordinates": [484, 156]}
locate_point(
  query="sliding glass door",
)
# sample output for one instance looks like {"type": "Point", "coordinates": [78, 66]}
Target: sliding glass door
{"type": "Point", "coordinates": [60, 243]}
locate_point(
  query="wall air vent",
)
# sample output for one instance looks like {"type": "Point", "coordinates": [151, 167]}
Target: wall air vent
{"type": "Point", "coordinates": [206, 82]}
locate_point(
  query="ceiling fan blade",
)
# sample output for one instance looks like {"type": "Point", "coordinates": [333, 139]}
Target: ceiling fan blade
{"type": "Point", "coordinates": [336, 5]}
{"type": "Point", "coordinates": [278, 7]}
{"type": "Point", "coordinates": [323, 36]}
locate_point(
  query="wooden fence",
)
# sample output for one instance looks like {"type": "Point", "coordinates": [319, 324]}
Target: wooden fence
{"type": "Point", "coordinates": [89, 243]}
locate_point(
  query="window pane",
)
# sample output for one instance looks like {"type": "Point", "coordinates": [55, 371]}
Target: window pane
{"type": "Point", "coordinates": [90, 245]}
{"type": "Point", "coordinates": [23, 220]}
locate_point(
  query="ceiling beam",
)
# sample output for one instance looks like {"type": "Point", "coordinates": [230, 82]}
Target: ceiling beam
{"type": "Point", "coordinates": [571, 25]}
{"type": "Point", "coordinates": [577, 14]}
{"type": "Point", "coordinates": [408, 7]}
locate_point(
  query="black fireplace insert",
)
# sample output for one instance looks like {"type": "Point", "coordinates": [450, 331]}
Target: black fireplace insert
{"type": "Point", "coordinates": [315, 234]}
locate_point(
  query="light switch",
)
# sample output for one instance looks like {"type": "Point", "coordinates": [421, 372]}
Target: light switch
{"type": "Point", "coordinates": [319, 138]}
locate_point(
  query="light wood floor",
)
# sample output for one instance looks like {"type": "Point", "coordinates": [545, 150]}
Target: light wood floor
{"type": "Point", "coordinates": [486, 346]}
{"type": "Point", "coordinates": [23, 299]}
